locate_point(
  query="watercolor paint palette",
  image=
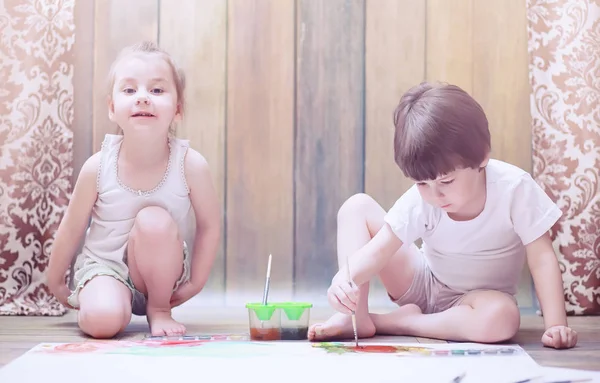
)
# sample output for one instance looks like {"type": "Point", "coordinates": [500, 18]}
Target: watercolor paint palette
{"type": "Point", "coordinates": [218, 337]}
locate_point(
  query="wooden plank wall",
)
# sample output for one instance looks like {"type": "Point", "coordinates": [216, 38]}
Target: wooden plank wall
{"type": "Point", "coordinates": [260, 147]}
{"type": "Point", "coordinates": [329, 133]}
{"type": "Point", "coordinates": [291, 102]}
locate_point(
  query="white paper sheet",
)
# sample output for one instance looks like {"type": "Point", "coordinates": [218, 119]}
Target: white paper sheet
{"type": "Point", "coordinates": [555, 373]}
{"type": "Point", "coordinates": [281, 362]}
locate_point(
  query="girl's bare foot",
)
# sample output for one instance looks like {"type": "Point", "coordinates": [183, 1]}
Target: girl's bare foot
{"type": "Point", "coordinates": [339, 326]}
{"type": "Point", "coordinates": [162, 323]}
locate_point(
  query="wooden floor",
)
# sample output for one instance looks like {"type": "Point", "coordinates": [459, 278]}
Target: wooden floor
{"type": "Point", "coordinates": [19, 334]}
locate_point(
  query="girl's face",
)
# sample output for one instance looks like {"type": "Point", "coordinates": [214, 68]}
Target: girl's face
{"type": "Point", "coordinates": [144, 96]}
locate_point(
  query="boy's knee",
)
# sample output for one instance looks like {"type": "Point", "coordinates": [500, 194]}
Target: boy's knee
{"type": "Point", "coordinates": [500, 322]}
{"type": "Point", "coordinates": [154, 223]}
{"type": "Point", "coordinates": [103, 322]}
{"type": "Point", "coordinates": [357, 204]}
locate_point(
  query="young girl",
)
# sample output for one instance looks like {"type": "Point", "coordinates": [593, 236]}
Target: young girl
{"type": "Point", "coordinates": [155, 216]}
{"type": "Point", "coordinates": [479, 220]}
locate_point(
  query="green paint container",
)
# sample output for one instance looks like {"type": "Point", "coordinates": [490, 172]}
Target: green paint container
{"type": "Point", "coordinates": [279, 320]}
{"type": "Point", "coordinates": [295, 318]}
{"type": "Point", "coordinates": [264, 321]}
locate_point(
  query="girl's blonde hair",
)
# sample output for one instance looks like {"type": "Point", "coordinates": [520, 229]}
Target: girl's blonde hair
{"type": "Point", "coordinates": [151, 48]}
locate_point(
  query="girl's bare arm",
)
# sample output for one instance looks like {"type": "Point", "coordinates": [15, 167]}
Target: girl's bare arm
{"type": "Point", "coordinates": [207, 210]}
{"type": "Point", "coordinates": [74, 223]}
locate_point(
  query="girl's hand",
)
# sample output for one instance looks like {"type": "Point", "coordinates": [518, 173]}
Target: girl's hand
{"type": "Point", "coordinates": [61, 292]}
{"type": "Point", "coordinates": [342, 294]}
{"type": "Point", "coordinates": [183, 293]}
{"type": "Point", "coordinates": [559, 337]}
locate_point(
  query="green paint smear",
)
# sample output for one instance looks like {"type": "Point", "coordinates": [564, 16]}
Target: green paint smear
{"type": "Point", "coordinates": [333, 348]}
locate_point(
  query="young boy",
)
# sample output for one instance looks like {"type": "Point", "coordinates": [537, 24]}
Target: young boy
{"type": "Point", "coordinates": [478, 218]}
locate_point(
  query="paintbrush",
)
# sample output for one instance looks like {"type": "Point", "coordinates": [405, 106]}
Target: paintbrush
{"type": "Point", "coordinates": [353, 312]}
{"type": "Point", "coordinates": [459, 378]}
{"type": "Point", "coordinates": [529, 380]}
{"type": "Point", "coordinates": [555, 381]}
{"type": "Point", "coordinates": [267, 282]}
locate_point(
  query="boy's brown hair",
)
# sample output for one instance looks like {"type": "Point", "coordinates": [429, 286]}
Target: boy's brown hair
{"type": "Point", "coordinates": [439, 128]}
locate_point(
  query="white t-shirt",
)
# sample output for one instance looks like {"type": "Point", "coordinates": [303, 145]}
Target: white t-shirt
{"type": "Point", "coordinates": [487, 252]}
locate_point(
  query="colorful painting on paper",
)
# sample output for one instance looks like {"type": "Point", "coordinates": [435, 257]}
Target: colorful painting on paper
{"type": "Point", "coordinates": [236, 347]}
{"type": "Point", "coordinates": [201, 348]}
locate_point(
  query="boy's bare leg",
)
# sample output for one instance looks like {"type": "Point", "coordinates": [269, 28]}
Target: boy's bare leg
{"type": "Point", "coordinates": [104, 307]}
{"type": "Point", "coordinates": [359, 219]}
{"type": "Point", "coordinates": [155, 260]}
{"type": "Point", "coordinates": [482, 316]}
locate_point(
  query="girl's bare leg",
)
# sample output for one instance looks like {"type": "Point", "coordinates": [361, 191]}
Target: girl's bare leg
{"type": "Point", "coordinates": [359, 219]}
{"type": "Point", "coordinates": [155, 260]}
{"type": "Point", "coordinates": [104, 307]}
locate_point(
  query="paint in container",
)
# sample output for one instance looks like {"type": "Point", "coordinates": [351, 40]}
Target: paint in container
{"type": "Point", "coordinates": [295, 317]}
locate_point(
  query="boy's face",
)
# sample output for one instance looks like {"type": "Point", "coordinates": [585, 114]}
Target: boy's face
{"type": "Point", "coordinates": [144, 96]}
{"type": "Point", "coordinates": [461, 193]}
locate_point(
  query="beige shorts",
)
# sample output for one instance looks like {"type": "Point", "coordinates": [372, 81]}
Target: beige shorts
{"type": "Point", "coordinates": [86, 269]}
{"type": "Point", "coordinates": [427, 292]}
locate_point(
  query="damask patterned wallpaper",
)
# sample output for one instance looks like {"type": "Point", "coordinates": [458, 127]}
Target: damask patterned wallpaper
{"type": "Point", "coordinates": [564, 47]}
{"type": "Point", "coordinates": [36, 114]}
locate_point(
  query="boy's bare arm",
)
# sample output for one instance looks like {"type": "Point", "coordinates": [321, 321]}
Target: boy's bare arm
{"type": "Point", "coordinates": [74, 222]}
{"type": "Point", "coordinates": [549, 287]}
{"type": "Point", "coordinates": [371, 258]}
{"type": "Point", "coordinates": [547, 278]}
{"type": "Point", "coordinates": [208, 217]}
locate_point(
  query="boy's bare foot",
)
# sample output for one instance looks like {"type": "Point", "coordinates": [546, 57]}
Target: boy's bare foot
{"type": "Point", "coordinates": [397, 322]}
{"type": "Point", "coordinates": [339, 326]}
{"type": "Point", "coordinates": [162, 323]}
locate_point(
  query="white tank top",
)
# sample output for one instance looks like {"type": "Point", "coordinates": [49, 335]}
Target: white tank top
{"type": "Point", "coordinates": [117, 205]}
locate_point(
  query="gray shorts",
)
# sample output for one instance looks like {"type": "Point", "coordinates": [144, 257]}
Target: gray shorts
{"type": "Point", "coordinates": [87, 269]}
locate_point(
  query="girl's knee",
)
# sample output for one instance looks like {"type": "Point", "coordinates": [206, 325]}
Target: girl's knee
{"type": "Point", "coordinates": [154, 223]}
{"type": "Point", "coordinates": [358, 204]}
{"type": "Point", "coordinates": [104, 321]}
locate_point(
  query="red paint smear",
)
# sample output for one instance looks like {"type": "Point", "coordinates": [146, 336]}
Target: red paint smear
{"type": "Point", "coordinates": [76, 347]}
{"type": "Point", "coordinates": [374, 348]}
{"type": "Point", "coordinates": [189, 343]}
